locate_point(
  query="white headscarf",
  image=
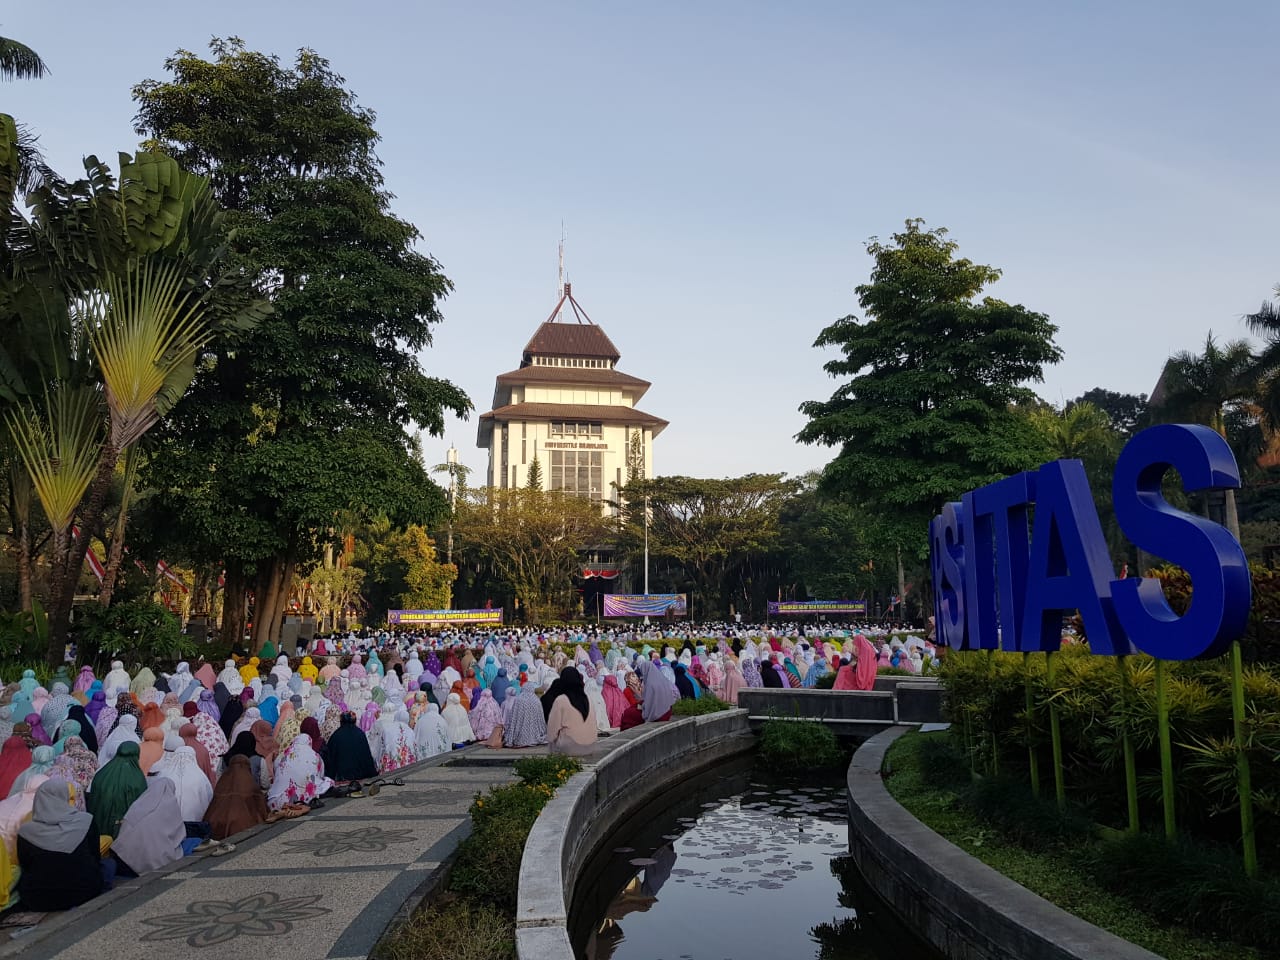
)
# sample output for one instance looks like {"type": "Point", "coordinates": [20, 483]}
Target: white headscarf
{"type": "Point", "coordinates": [230, 678]}
{"type": "Point", "coordinates": [118, 678]}
{"type": "Point", "coordinates": [431, 733]}
{"type": "Point", "coordinates": [193, 787]}
{"type": "Point", "coordinates": [455, 717]}
{"type": "Point", "coordinates": [126, 729]}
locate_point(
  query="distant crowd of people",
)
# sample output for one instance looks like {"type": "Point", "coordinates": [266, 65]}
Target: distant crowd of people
{"type": "Point", "coordinates": [118, 775]}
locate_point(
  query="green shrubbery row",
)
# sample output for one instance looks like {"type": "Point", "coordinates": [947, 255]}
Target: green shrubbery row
{"type": "Point", "coordinates": [707, 703]}
{"type": "Point", "coordinates": [1196, 886]}
{"type": "Point", "coordinates": [475, 918]}
{"type": "Point", "coordinates": [796, 746]}
{"type": "Point", "coordinates": [1097, 705]}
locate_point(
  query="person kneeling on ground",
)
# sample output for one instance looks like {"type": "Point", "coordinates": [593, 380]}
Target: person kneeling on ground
{"type": "Point", "coordinates": [60, 853]}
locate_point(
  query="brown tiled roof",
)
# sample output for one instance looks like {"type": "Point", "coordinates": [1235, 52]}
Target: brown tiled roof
{"type": "Point", "coordinates": [571, 340]}
{"type": "Point", "coordinates": [572, 411]}
{"type": "Point", "coordinates": [572, 375]}
{"type": "Point", "coordinates": [566, 411]}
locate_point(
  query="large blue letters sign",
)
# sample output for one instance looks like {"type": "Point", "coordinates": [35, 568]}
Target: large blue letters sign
{"type": "Point", "coordinates": [1003, 578]}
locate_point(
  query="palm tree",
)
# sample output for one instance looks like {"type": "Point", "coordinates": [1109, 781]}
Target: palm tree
{"type": "Point", "coordinates": [1202, 388]}
{"type": "Point", "coordinates": [140, 254]}
{"type": "Point", "coordinates": [1082, 432]}
{"type": "Point", "coordinates": [1266, 325]}
{"type": "Point", "coordinates": [20, 62]}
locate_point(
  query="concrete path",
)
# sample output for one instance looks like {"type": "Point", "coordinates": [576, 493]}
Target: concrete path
{"type": "Point", "coordinates": [322, 887]}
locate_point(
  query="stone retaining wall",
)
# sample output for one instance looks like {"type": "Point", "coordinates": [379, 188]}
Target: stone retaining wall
{"type": "Point", "coordinates": [590, 805]}
{"type": "Point", "coordinates": [954, 901]}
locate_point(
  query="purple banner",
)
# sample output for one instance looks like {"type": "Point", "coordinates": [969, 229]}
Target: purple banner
{"type": "Point", "coordinates": [644, 605]}
{"type": "Point", "coordinates": [803, 608]}
{"type": "Point", "coordinates": [425, 618]}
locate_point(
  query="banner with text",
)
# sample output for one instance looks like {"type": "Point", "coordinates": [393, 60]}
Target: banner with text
{"type": "Point", "coordinates": [802, 608]}
{"type": "Point", "coordinates": [426, 618]}
{"type": "Point", "coordinates": [644, 605]}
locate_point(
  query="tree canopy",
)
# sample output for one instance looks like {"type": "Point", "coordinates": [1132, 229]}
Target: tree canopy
{"type": "Point", "coordinates": [307, 418]}
{"type": "Point", "coordinates": [929, 377]}
{"type": "Point", "coordinates": [706, 525]}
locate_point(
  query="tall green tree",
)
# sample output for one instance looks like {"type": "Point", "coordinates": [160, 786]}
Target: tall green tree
{"type": "Point", "coordinates": [532, 540]}
{"type": "Point", "coordinates": [705, 526]}
{"type": "Point", "coordinates": [306, 418]}
{"type": "Point", "coordinates": [1208, 388]}
{"type": "Point", "coordinates": [929, 377]}
{"type": "Point", "coordinates": [1127, 411]}
{"type": "Point", "coordinates": [111, 290]}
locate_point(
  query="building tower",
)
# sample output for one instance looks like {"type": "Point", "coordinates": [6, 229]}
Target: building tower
{"type": "Point", "coordinates": [568, 406]}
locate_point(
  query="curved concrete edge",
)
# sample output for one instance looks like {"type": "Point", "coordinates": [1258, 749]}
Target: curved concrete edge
{"type": "Point", "coordinates": [954, 901]}
{"type": "Point", "coordinates": [589, 806]}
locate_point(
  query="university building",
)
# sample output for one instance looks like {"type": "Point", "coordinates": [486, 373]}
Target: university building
{"type": "Point", "coordinates": [570, 407]}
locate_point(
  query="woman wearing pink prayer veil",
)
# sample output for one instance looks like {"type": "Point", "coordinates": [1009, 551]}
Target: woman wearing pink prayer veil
{"type": "Point", "coordinates": [733, 681]}
{"type": "Point", "coordinates": [846, 679]}
{"type": "Point", "coordinates": [865, 672]}
{"type": "Point", "coordinates": [208, 679]}
{"type": "Point", "coordinates": [615, 700]}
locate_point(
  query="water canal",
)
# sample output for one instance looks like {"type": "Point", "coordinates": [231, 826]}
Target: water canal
{"type": "Point", "coordinates": [735, 865]}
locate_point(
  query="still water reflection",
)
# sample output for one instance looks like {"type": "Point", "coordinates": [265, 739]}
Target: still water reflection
{"type": "Point", "coordinates": [739, 867]}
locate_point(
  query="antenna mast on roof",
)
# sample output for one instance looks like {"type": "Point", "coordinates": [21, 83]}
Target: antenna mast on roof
{"type": "Point", "coordinates": [560, 283]}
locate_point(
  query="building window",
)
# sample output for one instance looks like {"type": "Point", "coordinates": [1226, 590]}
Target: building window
{"type": "Point", "coordinates": [504, 455]}
{"type": "Point", "coordinates": [580, 472]}
{"type": "Point", "coordinates": [576, 428]}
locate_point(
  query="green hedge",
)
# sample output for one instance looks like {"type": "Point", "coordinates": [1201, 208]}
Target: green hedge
{"type": "Point", "coordinates": [797, 746]}
{"type": "Point", "coordinates": [1069, 860]}
{"type": "Point", "coordinates": [986, 700]}
{"type": "Point", "coordinates": [707, 703]}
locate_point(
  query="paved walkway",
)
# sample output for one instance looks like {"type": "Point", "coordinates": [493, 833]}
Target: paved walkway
{"type": "Point", "coordinates": [322, 887]}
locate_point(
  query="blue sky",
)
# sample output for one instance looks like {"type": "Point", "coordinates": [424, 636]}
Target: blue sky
{"type": "Point", "coordinates": [719, 166]}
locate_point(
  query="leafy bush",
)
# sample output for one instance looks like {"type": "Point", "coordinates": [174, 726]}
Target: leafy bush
{"type": "Point", "coordinates": [1097, 705]}
{"type": "Point", "coordinates": [137, 632]}
{"type": "Point", "coordinates": [826, 682]}
{"type": "Point", "coordinates": [1179, 900]}
{"type": "Point", "coordinates": [707, 703]}
{"type": "Point", "coordinates": [796, 746]}
{"type": "Point", "coordinates": [23, 634]}
{"type": "Point", "coordinates": [462, 930]}
{"type": "Point", "coordinates": [488, 864]}
{"type": "Point", "coordinates": [551, 770]}
{"type": "Point", "coordinates": [1186, 883]}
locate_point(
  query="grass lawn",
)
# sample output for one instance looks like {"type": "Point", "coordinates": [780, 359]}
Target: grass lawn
{"type": "Point", "coordinates": [1052, 873]}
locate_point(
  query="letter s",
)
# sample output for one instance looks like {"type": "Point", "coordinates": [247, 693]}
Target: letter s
{"type": "Point", "coordinates": [1215, 561]}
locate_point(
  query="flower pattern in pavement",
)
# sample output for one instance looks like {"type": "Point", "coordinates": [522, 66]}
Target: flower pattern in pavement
{"type": "Point", "coordinates": [327, 843]}
{"type": "Point", "coordinates": [412, 799]}
{"type": "Point", "coordinates": [207, 923]}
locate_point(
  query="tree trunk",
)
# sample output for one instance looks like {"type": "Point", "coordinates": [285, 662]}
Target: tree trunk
{"type": "Point", "coordinates": [902, 587]}
{"type": "Point", "coordinates": [20, 515]}
{"type": "Point", "coordinates": [282, 599]}
{"type": "Point", "coordinates": [1229, 508]}
{"type": "Point", "coordinates": [115, 556]}
{"type": "Point", "coordinates": [263, 598]}
{"type": "Point", "coordinates": [69, 558]}
{"type": "Point", "coordinates": [24, 564]}
{"type": "Point", "coordinates": [233, 597]}
{"type": "Point", "coordinates": [57, 638]}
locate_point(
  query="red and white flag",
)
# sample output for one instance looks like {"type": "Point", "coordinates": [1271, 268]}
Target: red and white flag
{"type": "Point", "coordinates": [167, 572]}
{"type": "Point", "coordinates": [90, 556]}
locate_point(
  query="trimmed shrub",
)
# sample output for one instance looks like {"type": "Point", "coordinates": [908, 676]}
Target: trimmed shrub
{"type": "Point", "coordinates": [796, 746]}
{"type": "Point", "coordinates": [707, 703]}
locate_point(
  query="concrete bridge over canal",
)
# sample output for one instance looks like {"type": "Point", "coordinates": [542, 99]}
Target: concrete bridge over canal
{"type": "Point", "coordinates": [849, 713]}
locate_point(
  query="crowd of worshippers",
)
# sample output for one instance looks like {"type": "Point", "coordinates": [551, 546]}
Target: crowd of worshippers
{"type": "Point", "coordinates": [117, 776]}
